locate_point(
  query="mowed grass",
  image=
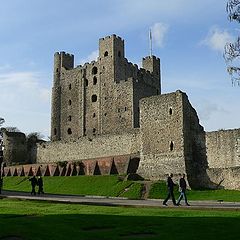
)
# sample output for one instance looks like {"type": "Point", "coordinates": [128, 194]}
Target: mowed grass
{"type": "Point", "coordinates": [112, 186]}
{"type": "Point", "coordinates": [32, 220]}
{"type": "Point", "coordinates": [158, 190]}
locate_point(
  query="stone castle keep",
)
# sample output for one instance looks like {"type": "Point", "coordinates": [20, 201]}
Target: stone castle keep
{"type": "Point", "coordinates": [110, 117]}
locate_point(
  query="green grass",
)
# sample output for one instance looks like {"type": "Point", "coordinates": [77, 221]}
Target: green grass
{"type": "Point", "coordinates": [32, 220]}
{"type": "Point", "coordinates": [114, 187]}
{"type": "Point", "coordinates": [159, 190]}
{"type": "Point", "coordinates": [81, 185]}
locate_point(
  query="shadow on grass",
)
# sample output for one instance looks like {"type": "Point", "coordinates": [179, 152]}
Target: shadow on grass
{"type": "Point", "coordinates": [91, 226]}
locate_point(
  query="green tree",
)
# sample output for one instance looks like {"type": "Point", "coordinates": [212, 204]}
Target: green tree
{"type": "Point", "coordinates": [232, 50]}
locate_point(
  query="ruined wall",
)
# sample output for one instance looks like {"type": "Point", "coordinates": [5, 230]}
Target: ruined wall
{"type": "Point", "coordinates": [223, 148]}
{"type": "Point", "coordinates": [228, 178]}
{"type": "Point", "coordinates": [162, 142]}
{"type": "Point", "coordinates": [89, 148]}
{"type": "Point", "coordinates": [15, 148]}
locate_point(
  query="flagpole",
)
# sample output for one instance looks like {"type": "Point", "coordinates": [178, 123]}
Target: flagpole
{"type": "Point", "coordinates": [150, 41]}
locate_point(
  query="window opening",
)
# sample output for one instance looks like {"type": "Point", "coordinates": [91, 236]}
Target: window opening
{"type": "Point", "coordinates": [94, 70]}
{"type": "Point", "coordinates": [94, 98]}
{"type": "Point", "coordinates": [94, 80]}
{"type": "Point", "coordinates": [69, 131]}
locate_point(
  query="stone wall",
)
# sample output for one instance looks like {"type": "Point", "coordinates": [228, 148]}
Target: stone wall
{"type": "Point", "coordinates": [228, 178]}
{"type": "Point", "coordinates": [89, 148]}
{"type": "Point", "coordinates": [162, 143]}
{"type": "Point", "coordinates": [101, 97]}
{"type": "Point", "coordinates": [223, 148]}
{"type": "Point", "coordinates": [15, 148]}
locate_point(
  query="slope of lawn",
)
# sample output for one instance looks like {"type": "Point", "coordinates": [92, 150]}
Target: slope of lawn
{"type": "Point", "coordinates": [81, 185]}
{"type": "Point", "coordinates": [113, 186]}
{"type": "Point", "coordinates": [159, 190]}
{"type": "Point", "coordinates": [32, 220]}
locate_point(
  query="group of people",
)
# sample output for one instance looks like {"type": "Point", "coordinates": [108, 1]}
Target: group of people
{"type": "Point", "coordinates": [36, 182]}
{"type": "Point", "coordinates": [182, 190]}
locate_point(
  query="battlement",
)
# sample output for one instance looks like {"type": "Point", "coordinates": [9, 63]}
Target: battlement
{"type": "Point", "coordinates": [114, 36]}
{"type": "Point", "coordinates": [151, 57]}
{"type": "Point", "coordinates": [62, 53]}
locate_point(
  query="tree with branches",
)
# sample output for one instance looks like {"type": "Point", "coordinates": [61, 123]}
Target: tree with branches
{"type": "Point", "coordinates": [232, 50]}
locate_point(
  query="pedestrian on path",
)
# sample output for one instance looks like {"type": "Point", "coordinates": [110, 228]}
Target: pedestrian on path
{"type": "Point", "coordinates": [170, 186]}
{"type": "Point", "coordinates": [1, 184]}
{"type": "Point", "coordinates": [34, 182]}
{"type": "Point", "coordinates": [182, 189]}
{"type": "Point", "coordinates": [40, 185]}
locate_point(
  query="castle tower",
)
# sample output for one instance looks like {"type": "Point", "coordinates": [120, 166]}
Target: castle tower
{"type": "Point", "coordinates": [61, 61]}
{"type": "Point", "coordinates": [152, 64]}
{"type": "Point", "coordinates": [111, 54]}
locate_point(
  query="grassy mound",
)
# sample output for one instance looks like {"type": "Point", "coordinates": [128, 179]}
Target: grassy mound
{"type": "Point", "coordinates": [82, 185]}
{"type": "Point", "coordinates": [159, 190]}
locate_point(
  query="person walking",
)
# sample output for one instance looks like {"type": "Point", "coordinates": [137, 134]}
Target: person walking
{"type": "Point", "coordinates": [40, 185]}
{"type": "Point", "coordinates": [1, 184]}
{"type": "Point", "coordinates": [170, 186]}
{"type": "Point", "coordinates": [182, 189]}
{"type": "Point", "coordinates": [33, 181]}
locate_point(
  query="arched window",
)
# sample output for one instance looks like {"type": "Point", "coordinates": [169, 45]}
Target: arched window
{"type": "Point", "coordinates": [70, 86]}
{"type": "Point", "coordinates": [94, 98]}
{"type": "Point", "coordinates": [170, 111]}
{"type": "Point", "coordinates": [171, 146]}
{"type": "Point", "coordinates": [94, 70]}
{"type": "Point", "coordinates": [94, 130]}
{"type": "Point", "coordinates": [69, 118]}
{"type": "Point", "coordinates": [55, 131]}
{"type": "Point", "coordinates": [94, 115]}
{"type": "Point", "coordinates": [86, 82]}
{"type": "Point", "coordinates": [69, 131]}
{"type": "Point", "coordinates": [94, 80]}
{"type": "Point", "coordinates": [106, 54]}
{"type": "Point", "coordinates": [70, 102]}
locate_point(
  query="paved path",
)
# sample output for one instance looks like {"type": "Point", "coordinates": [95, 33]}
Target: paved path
{"type": "Point", "coordinates": [112, 201]}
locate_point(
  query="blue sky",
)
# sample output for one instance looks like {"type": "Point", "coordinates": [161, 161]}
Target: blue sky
{"type": "Point", "coordinates": [188, 36]}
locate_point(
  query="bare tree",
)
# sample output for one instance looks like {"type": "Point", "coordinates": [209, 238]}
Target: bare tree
{"type": "Point", "coordinates": [12, 129]}
{"type": "Point", "coordinates": [1, 121]}
{"type": "Point", "coordinates": [232, 50]}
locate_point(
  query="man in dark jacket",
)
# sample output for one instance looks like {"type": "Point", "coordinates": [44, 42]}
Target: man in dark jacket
{"type": "Point", "coordinates": [40, 185]}
{"type": "Point", "coordinates": [182, 189]}
{"type": "Point", "coordinates": [1, 184]}
{"type": "Point", "coordinates": [170, 186]}
{"type": "Point", "coordinates": [33, 181]}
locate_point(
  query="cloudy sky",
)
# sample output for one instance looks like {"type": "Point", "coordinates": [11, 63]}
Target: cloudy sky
{"type": "Point", "coordinates": [188, 36]}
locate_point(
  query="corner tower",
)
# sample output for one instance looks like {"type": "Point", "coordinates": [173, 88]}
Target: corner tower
{"type": "Point", "coordinates": [62, 61]}
{"type": "Point", "coordinates": [152, 64]}
{"type": "Point", "coordinates": [111, 54]}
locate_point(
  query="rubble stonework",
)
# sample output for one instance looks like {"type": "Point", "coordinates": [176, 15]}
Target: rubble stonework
{"type": "Point", "coordinates": [109, 111]}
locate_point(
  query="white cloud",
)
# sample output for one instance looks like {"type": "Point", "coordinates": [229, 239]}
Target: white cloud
{"type": "Point", "coordinates": [159, 31]}
{"type": "Point", "coordinates": [25, 101]}
{"type": "Point", "coordinates": [91, 57]}
{"type": "Point", "coordinates": [217, 38]}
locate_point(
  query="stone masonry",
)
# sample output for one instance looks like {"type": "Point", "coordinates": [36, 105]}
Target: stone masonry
{"type": "Point", "coordinates": [110, 116]}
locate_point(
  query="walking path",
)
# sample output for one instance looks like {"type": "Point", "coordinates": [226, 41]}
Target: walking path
{"type": "Point", "coordinates": [116, 201]}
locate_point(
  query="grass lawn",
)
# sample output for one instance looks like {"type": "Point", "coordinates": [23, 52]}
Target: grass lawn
{"type": "Point", "coordinates": [83, 185]}
{"type": "Point", "coordinates": [30, 220]}
{"type": "Point", "coordinates": [113, 186]}
{"type": "Point", "coordinates": [158, 190]}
